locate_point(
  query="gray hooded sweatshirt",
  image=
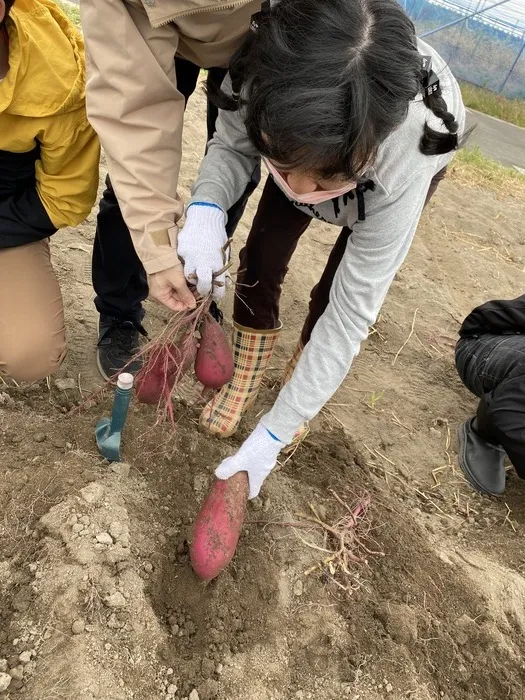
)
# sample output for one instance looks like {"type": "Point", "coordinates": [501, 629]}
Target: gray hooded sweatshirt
{"type": "Point", "coordinates": [374, 253]}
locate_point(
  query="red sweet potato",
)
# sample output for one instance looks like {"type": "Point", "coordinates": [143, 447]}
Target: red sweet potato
{"type": "Point", "coordinates": [214, 361]}
{"type": "Point", "coordinates": [218, 526]}
{"type": "Point", "coordinates": [184, 353]}
{"type": "Point", "coordinates": [149, 384]}
{"type": "Point", "coordinates": [161, 369]}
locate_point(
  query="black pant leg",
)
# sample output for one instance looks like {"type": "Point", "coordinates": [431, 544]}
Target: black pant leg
{"type": "Point", "coordinates": [501, 417]}
{"type": "Point", "coordinates": [119, 278]}
{"type": "Point", "coordinates": [493, 367]}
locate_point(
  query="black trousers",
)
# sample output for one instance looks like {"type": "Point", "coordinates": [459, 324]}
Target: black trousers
{"type": "Point", "coordinates": [493, 368]}
{"type": "Point", "coordinates": [119, 278]}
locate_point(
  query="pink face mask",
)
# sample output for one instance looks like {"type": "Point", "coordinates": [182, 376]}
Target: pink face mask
{"type": "Point", "coordinates": [310, 197]}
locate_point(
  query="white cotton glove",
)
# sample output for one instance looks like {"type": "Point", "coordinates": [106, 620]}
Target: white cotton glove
{"type": "Point", "coordinates": [257, 456]}
{"type": "Point", "coordinates": [200, 246]}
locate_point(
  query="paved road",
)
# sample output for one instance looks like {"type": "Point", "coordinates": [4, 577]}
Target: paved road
{"type": "Point", "coordinates": [496, 139]}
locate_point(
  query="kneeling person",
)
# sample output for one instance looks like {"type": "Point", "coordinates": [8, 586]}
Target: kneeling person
{"type": "Point", "coordinates": [48, 177]}
{"type": "Point", "coordinates": [490, 359]}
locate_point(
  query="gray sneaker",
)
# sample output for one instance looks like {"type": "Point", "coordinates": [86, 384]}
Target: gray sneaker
{"type": "Point", "coordinates": [482, 463]}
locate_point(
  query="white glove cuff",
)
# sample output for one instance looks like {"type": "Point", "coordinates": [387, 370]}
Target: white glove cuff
{"type": "Point", "coordinates": [206, 216]}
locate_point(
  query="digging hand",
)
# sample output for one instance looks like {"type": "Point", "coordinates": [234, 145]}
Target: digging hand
{"type": "Point", "coordinates": [201, 247]}
{"type": "Point", "coordinates": [257, 456]}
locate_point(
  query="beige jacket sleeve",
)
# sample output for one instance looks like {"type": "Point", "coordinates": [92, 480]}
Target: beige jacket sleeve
{"type": "Point", "coordinates": [135, 107]}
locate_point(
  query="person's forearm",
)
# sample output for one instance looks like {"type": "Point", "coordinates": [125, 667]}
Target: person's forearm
{"type": "Point", "coordinates": [134, 105]}
{"type": "Point", "coordinates": [229, 163]}
{"type": "Point", "coordinates": [374, 252]}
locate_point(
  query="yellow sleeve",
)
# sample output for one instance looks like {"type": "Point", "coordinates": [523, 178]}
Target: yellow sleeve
{"type": "Point", "coordinates": [67, 172]}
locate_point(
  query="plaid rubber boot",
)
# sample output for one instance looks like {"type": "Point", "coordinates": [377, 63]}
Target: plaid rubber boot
{"type": "Point", "coordinates": [288, 371]}
{"type": "Point", "coordinates": [252, 351]}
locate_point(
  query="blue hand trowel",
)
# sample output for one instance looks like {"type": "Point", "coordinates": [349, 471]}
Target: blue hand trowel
{"type": "Point", "coordinates": [109, 430]}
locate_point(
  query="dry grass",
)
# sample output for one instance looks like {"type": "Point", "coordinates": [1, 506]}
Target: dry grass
{"type": "Point", "coordinates": [489, 102]}
{"type": "Point", "coordinates": [473, 169]}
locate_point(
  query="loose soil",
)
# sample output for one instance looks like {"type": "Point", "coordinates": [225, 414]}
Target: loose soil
{"type": "Point", "coordinates": [97, 598]}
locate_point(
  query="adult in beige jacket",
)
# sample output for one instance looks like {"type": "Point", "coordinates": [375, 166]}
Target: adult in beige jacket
{"type": "Point", "coordinates": [134, 105]}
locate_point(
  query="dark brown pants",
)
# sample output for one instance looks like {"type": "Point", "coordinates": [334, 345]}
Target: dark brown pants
{"type": "Point", "coordinates": [273, 238]}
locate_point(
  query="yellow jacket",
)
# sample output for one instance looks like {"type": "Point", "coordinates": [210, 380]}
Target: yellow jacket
{"type": "Point", "coordinates": [42, 109]}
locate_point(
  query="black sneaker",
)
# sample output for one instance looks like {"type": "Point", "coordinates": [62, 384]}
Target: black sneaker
{"type": "Point", "coordinates": [118, 342]}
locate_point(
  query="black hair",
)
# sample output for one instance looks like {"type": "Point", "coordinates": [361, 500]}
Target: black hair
{"type": "Point", "coordinates": [324, 82]}
{"type": "Point", "coordinates": [8, 5]}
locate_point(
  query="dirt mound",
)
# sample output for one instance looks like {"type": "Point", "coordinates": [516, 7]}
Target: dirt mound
{"type": "Point", "coordinates": [98, 599]}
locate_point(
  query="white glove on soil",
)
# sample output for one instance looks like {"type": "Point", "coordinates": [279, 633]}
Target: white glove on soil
{"type": "Point", "coordinates": [257, 456]}
{"type": "Point", "coordinates": [200, 245]}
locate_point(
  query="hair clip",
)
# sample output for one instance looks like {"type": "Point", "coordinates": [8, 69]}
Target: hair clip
{"type": "Point", "coordinates": [254, 24]}
{"type": "Point", "coordinates": [431, 84]}
{"type": "Point", "coordinates": [430, 79]}
{"type": "Point", "coordinates": [427, 63]}
{"type": "Point", "coordinates": [258, 16]}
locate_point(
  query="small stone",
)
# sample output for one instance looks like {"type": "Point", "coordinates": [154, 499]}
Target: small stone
{"type": "Point", "coordinates": [116, 529]}
{"type": "Point", "coordinates": [25, 657]}
{"type": "Point", "coordinates": [85, 520]}
{"type": "Point", "coordinates": [104, 538]}
{"type": "Point", "coordinates": [256, 503]}
{"type": "Point", "coordinates": [93, 493]}
{"type": "Point", "coordinates": [40, 437]}
{"type": "Point", "coordinates": [3, 665]}
{"type": "Point", "coordinates": [77, 527]}
{"type": "Point", "coordinates": [121, 469]}
{"type": "Point", "coordinates": [116, 600]}
{"type": "Point", "coordinates": [389, 687]}
{"type": "Point", "coordinates": [298, 588]}
{"type": "Point", "coordinates": [194, 695]}
{"type": "Point", "coordinates": [65, 384]}
{"type": "Point", "coordinates": [219, 669]}
{"type": "Point", "coordinates": [148, 567]}
{"type": "Point", "coordinates": [17, 673]}
{"type": "Point", "coordinates": [5, 681]}
{"type": "Point", "coordinates": [78, 627]}
{"type": "Point", "coordinates": [172, 689]}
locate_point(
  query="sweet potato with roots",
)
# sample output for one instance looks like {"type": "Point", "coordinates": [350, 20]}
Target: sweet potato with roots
{"type": "Point", "coordinates": [218, 526]}
{"type": "Point", "coordinates": [214, 360]}
{"type": "Point", "coordinates": [163, 368]}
